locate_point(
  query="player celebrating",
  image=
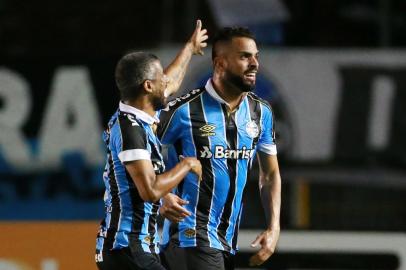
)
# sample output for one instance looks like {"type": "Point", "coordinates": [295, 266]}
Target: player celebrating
{"type": "Point", "coordinates": [134, 174]}
{"type": "Point", "coordinates": [224, 125]}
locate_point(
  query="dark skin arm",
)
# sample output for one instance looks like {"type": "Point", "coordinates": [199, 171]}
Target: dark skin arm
{"type": "Point", "coordinates": [270, 191]}
{"type": "Point", "coordinates": [152, 187]}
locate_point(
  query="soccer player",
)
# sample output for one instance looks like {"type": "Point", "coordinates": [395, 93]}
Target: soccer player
{"type": "Point", "coordinates": [134, 174]}
{"type": "Point", "coordinates": [225, 126]}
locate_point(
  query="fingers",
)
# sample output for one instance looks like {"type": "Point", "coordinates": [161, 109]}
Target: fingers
{"type": "Point", "coordinates": [198, 25]}
{"type": "Point", "coordinates": [172, 217]}
{"type": "Point", "coordinates": [264, 253]}
{"type": "Point", "coordinates": [173, 209]}
{"type": "Point", "coordinates": [202, 39]}
{"type": "Point", "coordinates": [179, 211]}
{"type": "Point", "coordinates": [198, 38]}
{"type": "Point", "coordinates": [257, 240]}
{"type": "Point", "coordinates": [174, 214]}
{"type": "Point", "coordinates": [260, 257]}
{"type": "Point", "coordinates": [182, 202]}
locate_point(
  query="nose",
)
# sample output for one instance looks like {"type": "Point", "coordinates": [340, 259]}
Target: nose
{"type": "Point", "coordinates": [254, 62]}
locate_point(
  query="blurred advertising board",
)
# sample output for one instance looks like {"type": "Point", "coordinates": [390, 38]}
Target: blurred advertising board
{"type": "Point", "coordinates": [47, 245]}
{"type": "Point", "coordinates": [331, 107]}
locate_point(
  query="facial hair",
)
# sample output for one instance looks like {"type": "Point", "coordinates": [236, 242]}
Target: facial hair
{"type": "Point", "coordinates": [159, 102]}
{"type": "Point", "coordinates": [238, 82]}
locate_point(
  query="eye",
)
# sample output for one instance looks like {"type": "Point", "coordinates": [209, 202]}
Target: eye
{"type": "Point", "coordinates": [244, 56]}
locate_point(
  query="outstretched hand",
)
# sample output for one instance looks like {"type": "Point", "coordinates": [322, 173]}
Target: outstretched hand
{"type": "Point", "coordinates": [267, 240]}
{"type": "Point", "coordinates": [198, 39]}
{"type": "Point", "coordinates": [173, 208]}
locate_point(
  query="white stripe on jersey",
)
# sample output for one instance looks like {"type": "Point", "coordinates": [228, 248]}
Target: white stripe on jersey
{"type": "Point", "coordinates": [134, 154]}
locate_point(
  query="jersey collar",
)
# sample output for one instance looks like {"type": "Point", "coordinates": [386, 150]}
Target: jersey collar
{"type": "Point", "coordinates": [212, 92]}
{"type": "Point", "coordinates": [143, 116]}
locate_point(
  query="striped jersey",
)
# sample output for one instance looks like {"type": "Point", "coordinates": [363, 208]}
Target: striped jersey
{"type": "Point", "coordinates": [128, 219]}
{"type": "Point", "coordinates": [199, 124]}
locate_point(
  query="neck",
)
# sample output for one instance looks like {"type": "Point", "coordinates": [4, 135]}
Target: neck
{"type": "Point", "coordinates": [142, 104]}
{"type": "Point", "coordinates": [231, 94]}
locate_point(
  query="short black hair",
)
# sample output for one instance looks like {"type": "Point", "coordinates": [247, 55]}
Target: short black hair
{"type": "Point", "coordinates": [226, 34]}
{"type": "Point", "coordinates": [131, 71]}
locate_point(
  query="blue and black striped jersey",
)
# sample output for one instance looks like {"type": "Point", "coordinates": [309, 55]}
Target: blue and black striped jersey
{"type": "Point", "coordinates": [199, 124]}
{"type": "Point", "coordinates": [128, 219]}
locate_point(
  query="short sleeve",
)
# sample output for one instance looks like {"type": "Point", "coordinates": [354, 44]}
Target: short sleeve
{"type": "Point", "coordinates": [266, 142]}
{"type": "Point", "coordinates": [133, 140]}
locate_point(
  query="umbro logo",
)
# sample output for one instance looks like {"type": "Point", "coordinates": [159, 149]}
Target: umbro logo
{"type": "Point", "coordinates": [190, 233]}
{"type": "Point", "coordinates": [207, 130]}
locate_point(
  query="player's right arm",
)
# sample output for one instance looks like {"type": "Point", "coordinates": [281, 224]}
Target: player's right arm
{"type": "Point", "coordinates": [130, 140]}
{"type": "Point", "coordinates": [152, 187]}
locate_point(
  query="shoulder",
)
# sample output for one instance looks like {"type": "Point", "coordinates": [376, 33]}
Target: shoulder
{"type": "Point", "coordinates": [184, 99]}
{"type": "Point", "coordinates": [129, 124]}
{"type": "Point", "coordinates": [257, 101]}
{"type": "Point", "coordinates": [178, 104]}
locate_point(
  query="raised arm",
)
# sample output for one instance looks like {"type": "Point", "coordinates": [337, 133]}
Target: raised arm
{"type": "Point", "coordinates": [270, 191]}
{"type": "Point", "coordinates": [177, 69]}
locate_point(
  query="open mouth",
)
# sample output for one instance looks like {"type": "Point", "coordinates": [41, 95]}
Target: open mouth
{"type": "Point", "coordinates": [251, 76]}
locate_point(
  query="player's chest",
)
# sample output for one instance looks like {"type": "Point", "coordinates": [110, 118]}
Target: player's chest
{"type": "Point", "coordinates": [219, 127]}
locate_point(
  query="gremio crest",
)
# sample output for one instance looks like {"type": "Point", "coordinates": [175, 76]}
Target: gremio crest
{"type": "Point", "coordinates": [252, 129]}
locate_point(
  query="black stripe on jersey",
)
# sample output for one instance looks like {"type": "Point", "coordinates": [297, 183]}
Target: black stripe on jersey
{"type": "Point", "coordinates": [166, 114]}
{"type": "Point", "coordinates": [151, 226]}
{"type": "Point", "coordinates": [231, 136]}
{"type": "Point", "coordinates": [132, 132]}
{"type": "Point", "coordinates": [254, 98]}
{"type": "Point", "coordinates": [255, 114]}
{"type": "Point", "coordinates": [174, 233]}
{"type": "Point", "coordinates": [236, 229]}
{"type": "Point", "coordinates": [115, 204]}
{"type": "Point", "coordinates": [174, 227]}
{"type": "Point", "coordinates": [206, 186]}
{"type": "Point", "coordinates": [178, 149]}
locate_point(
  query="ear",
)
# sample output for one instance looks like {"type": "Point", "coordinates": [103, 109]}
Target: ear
{"type": "Point", "coordinates": [147, 84]}
{"type": "Point", "coordinates": [219, 63]}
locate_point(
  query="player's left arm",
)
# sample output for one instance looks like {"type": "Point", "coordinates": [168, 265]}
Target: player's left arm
{"type": "Point", "coordinates": [177, 68]}
{"type": "Point", "coordinates": [270, 191]}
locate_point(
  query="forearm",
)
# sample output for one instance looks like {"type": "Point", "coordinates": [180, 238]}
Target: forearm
{"type": "Point", "coordinates": [167, 181]}
{"type": "Point", "coordinates": [270, 190]}
{"type": "Point", "coordinates": [177, 69]}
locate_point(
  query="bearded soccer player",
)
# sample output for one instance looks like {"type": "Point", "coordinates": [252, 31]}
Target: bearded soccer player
{"type": "Point", "coordinates": [225, 126]}
{"type": "Point", "coordinates": [135, 176]}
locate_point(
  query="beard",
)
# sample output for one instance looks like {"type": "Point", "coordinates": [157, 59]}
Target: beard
{"type": "Point", "coordinates": [159, 102]}
{"type": "Point", "coordinates": [239, 82]}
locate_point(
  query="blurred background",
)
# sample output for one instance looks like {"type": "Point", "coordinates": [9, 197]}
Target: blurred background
{"type": "Point", "coordinates": [334, 72]}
